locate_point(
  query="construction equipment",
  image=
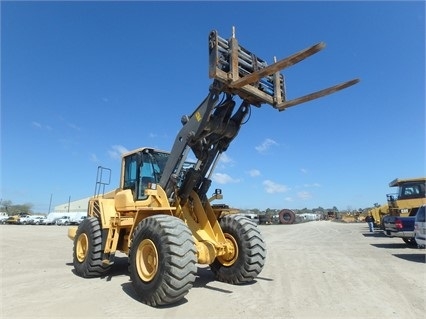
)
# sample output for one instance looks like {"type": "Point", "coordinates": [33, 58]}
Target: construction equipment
{"type": "Point", "coordinates": [160, 215]}
{"type": "Point", "coordinates": [378, 213]}
{"type": "Point", "coordinates": [410, 196]}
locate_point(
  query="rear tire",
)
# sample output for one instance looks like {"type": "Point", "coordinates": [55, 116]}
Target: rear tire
{"type": "Point", "coordinates": [162, 260]}
{"type": "Point", "coordinates": [410, 241]}
{"type": "Point", "coordinates": [87, 252]}
{"type": "Point", "coordinates": [249, 247]}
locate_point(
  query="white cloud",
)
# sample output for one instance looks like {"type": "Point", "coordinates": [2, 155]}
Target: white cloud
{"type": "Point", "coordinates": [254, 172]}
{"type": "Point", "coordinates": [116, 151]}
{"type": "Point", "coordinates": [221, 178]}
{"type": "Point", "coordinates": [74, 127]}
{"type": "Point", "coordinates": [272, 187]}
{"type": "Point", "coordinates": [304, 170]}
{"type": "Point", "coordinates": [304, 195]}
{"type": "Point", "coordinates": [225, 159]}
{"type": "Point", "coordinates": [94, 158]}
{"type": "Point", "coordinates": [36, 124]}
{"type": "Point", "coordinates": [312, 185]}
{"type": "Point", "coordinates": [40, 126]}
{"type": "Point", "coordinates": [266, 145]}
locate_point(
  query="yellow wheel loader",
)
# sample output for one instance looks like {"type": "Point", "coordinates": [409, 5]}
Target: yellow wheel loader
{"type": "Point", "coordinates": [160, 215]}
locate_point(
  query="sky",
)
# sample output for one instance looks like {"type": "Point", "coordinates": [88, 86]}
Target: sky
{"type": "Point", "coordinates": [83, 82]}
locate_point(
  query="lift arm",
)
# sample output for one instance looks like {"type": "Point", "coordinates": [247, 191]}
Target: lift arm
{"type": "Point", "coordinates": [209, 130]}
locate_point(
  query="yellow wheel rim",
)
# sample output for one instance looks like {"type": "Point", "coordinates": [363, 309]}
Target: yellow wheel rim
{"type": "Point", "coordinates": [147, 260]}
{"type": "Point", "coordinates": [231, 255]}
{"type": "Point", "coordinates": [82, 247]}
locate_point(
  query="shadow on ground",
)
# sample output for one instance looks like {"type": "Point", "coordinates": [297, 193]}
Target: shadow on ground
{"type": "Point", "coordinates": [418, 258]}
{"type": "Point", "coordinates": [375, 234]}
{"type": "Point", "coordinates": [401, 245]}
{"type": "Point", "coordinates": [119, 268]}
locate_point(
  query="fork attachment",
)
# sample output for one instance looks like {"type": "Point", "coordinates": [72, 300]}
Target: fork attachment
{"type": "Point", "coordinates": [252, 79]}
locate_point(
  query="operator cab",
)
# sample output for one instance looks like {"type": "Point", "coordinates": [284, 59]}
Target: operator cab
{"type": "Point", "coordinates": [142, 169]}
{"type": "Point", "coordinates": [408, 189]}
{"type": "Point", "coordinates": [411, 195]}
{"type": "Point", "coordinates": [412, 190]}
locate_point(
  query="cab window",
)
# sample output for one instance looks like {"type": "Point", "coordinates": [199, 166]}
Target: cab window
{"type": "Point", "coordinates": [130, 172]}
{"type": "Point", "coordinates": [412, 190]}
{"type": "Point", "coordinates": [420, 217]}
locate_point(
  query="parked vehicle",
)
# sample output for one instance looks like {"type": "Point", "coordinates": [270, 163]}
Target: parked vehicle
{"type": "Point", "coordinates": [78, 220]}
{"type": "Point", "coordinates": [402, 227]}
{"type": "Point", "coordinates": [25, 219]}
{"type": "Point", "coordinates": [3, 217]}
{"type": "Point", "coordinates": [18, 219]}
{"type": "Point", "coordinates": [64, 221]}
{"type": "Point", "coordinates": [420, 227]}
{"type": "Point", "coordinates": [410, 195]}
{"type": "Point", "coordinates": [37, 220]}
{"type": "Point", "coordinates": [12, 220]}
{"type": "Point", "coordinates": [48, 221]}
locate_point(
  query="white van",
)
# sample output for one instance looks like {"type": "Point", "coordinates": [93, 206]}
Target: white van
{"type": "Point", "coordinates": [3, 217]}
{"type": "Point", "coordinates": [420, 227]}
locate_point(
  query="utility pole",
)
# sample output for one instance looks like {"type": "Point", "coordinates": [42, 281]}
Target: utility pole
{"type": "Point", "coordinates": [69, 200]}
{"type": "Point", "coordinates": [50, 203]}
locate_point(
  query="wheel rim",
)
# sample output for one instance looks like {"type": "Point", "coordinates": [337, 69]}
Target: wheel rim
{"type": "Point", "coordinates": [82, 247]}
{"type": "Point", "coordinates": [229, 258]}
{"type": "Point", "coordinates": [147, 260]}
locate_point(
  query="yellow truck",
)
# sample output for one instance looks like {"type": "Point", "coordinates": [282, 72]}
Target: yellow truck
{"type": "Point", "coordinates": [410, 196]}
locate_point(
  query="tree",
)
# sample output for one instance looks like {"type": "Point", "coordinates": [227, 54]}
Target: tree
{"type": "Point", "coordinates": [11, 209]}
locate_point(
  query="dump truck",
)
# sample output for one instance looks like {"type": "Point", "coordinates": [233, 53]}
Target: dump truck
{"type": "Point", "coordinates": [160, 215]}
{"type": "Point", "coordinates": [409, 197]}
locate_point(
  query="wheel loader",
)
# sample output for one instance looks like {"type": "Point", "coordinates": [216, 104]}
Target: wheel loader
{"type": "Point", "coordinates": [160, 215]}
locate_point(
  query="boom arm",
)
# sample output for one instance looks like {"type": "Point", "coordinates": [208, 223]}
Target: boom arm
{"type": "Point", "coordinates": [209, 130]}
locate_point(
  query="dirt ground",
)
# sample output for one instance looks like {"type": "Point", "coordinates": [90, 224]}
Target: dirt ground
{"type": "Point", "coordinates": [319, 269]}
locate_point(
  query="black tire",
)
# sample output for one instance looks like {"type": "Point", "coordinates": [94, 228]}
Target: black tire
{"type": "Point", "coordinates": [410, 241]}
{"type": "Point", "coordinates": [162, 260]}
{"type": "Point", "coordinates": [87, 252]}
{"type": "Point", "coordinates": [263, 219]}
{"type": "Point", "coordinates": [249, 247]}
{"type": "Point", "coordinates": [287, 216]}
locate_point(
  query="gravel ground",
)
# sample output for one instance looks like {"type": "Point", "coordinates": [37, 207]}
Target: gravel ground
{"type": "Point", "coordinates": [319, 269]}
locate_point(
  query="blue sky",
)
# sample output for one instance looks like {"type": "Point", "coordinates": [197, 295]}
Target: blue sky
{"type": "Point", "coordinates": [83, 81]}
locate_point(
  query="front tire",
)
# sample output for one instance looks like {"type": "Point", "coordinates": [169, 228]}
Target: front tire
{"type": "Point", "coordinates": [87, 252]}
{"type": "Point", "coordinates": [162, 260]}
{"type": "Point", "coordinates": [410, 241]}
{"type": "Point", "coordinates": [249, 251]}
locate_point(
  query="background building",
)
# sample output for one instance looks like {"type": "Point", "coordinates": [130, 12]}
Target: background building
{"type": "Point", "coordinates": [73, 206]}
{"type": "Point", "coordinates": [73, 209]}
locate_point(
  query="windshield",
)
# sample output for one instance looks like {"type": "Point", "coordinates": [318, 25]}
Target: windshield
{"type": "Point", "coordinates": [144, 168]}
{"type": "Point", "coordinates": [412, 190]}
{"type": "Point", "coordinates": [420, 217]}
